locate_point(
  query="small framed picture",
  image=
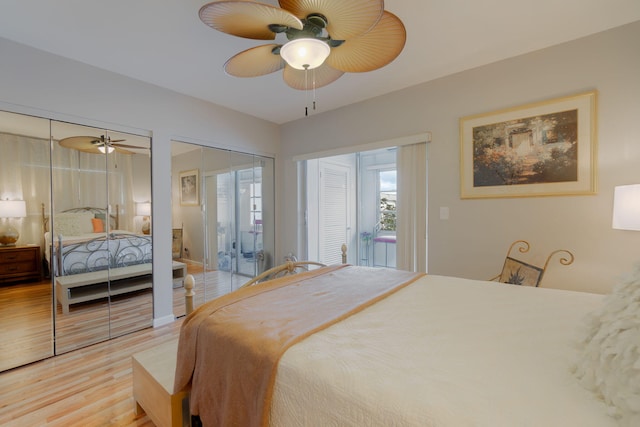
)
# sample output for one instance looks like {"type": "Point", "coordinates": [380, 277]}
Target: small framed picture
{"type": "Point", "coordinates": [189, 188]}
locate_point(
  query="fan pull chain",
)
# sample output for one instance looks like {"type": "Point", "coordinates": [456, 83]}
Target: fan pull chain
{"type": "Point", "coordinates": [306, 92]}
{"type": "Point", "coordinates": [314, 89]}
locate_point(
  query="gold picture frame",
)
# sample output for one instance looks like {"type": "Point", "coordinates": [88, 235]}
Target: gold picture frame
{"type": "Point", "coordinates": [542, 149]}
{"type": "Point", "coordinates": [189, 184]}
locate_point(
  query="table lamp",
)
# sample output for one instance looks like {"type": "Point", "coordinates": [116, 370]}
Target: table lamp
{"type": "Point", "coordinates": [11, 209]}
{"type": "Point", "coordinates": [144, 210]}
{"type": "Point", "coordinates": [626, 207]}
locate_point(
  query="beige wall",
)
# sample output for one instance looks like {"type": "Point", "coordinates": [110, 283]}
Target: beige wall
{"type": "Point", "coordinates": [473, 242]}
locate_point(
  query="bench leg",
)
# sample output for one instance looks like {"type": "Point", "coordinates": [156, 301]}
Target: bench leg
{"type": "Point", "coordinates": [138, 410]}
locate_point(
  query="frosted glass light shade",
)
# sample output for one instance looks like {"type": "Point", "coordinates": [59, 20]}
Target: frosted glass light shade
{"type": "Point", "coordinates": [626, 207]}
{"type": "Point", "coordinates": [305, 53]}
{"type": "Point", "coordinates": [105, 149]}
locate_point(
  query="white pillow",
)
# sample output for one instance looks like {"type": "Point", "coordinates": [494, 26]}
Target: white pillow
{"type": "Point", "coordinates": [72, 223]}
{"type": "Point", "coordinates": [609, 353]}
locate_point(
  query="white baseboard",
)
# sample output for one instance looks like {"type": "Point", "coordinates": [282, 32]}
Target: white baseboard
{"type": "Point", "coordinates": [163, 320]}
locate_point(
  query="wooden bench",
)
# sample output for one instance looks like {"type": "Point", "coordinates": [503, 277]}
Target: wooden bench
{"type": "Point", "coordinates": [153, 377]}
{"type": "Point", "coordinates": [93, 285]}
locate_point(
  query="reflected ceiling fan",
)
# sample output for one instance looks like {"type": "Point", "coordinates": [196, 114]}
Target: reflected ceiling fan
{"type": "Point", "coordinates": [331, 37]}
{"type": "Point", "coordinates": [96, 145]}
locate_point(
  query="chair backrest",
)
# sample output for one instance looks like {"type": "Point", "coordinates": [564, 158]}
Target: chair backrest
{"type": "Point", "coordinates": [517, 272]}
{"type": "Point", "coordinates": [289, 267]}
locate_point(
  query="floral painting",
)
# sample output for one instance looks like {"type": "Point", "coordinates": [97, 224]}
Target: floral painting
{"type": "Point", "coordinates": [537, 149]}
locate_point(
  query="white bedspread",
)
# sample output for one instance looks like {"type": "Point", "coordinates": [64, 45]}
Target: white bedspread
{"type": "Point", "coordinates": [444, 352]}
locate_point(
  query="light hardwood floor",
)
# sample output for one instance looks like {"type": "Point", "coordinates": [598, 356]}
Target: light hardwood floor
{"type": "Point", "coordinates": [87, 387]}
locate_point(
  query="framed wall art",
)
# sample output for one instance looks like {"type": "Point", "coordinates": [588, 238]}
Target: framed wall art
{"type": "Point", "coordinates": [543, 149]}
{"type": "Point", "coordinates": [189, 188]}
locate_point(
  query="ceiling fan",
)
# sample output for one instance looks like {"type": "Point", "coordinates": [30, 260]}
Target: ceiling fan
{"type": "Point", "coordinates": [331, 37]}
{"type": "Point", "coordinates": [96, 145]}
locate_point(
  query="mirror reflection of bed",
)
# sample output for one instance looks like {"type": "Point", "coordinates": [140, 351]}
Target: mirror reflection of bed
{"type": "Point", "coordinates": [59, 169]}
{"type": "Point", "coordinates": [93, 260]}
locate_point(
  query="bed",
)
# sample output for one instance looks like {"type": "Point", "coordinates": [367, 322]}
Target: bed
{"type": "Point", "coordinates": [424, 350]}
{"type": "Point", "coordinates": [84, 244]}
{"type": "Point", "coordinates": [81, 242]}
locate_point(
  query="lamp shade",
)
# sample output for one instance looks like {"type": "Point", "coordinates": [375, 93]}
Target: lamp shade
{"type": "Point", "coordinates": [143, 209]}
{"type": "Point", "coordinates": [13, 209]}
{"type": "Point", "coordinates": [305, 53]}
{"type": "Point", "coordinates": [105, 149]}
{"type": "Point", "coordinates": [626, 207]}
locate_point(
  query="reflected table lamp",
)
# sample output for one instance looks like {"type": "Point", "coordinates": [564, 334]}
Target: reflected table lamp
{"type": "Point", "coordinates": [144, 210]}
{"type": "Point", "coordinates": [626, 207]}
{"type": "Point", "coordinates": [11, 209]}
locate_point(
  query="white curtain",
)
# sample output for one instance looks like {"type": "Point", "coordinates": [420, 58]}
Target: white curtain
{"type": "Point", "coordinates": [411, 233]}
{"type": "Point", "coordinates": [80, 180]}
{"type": "Point", "coordinates": [24, 174]}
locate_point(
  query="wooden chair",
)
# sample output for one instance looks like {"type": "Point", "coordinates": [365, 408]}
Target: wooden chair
{"type": "Point", "coordinates": [291, 266]}
{"type": "Point", "coordinates": [517, 272]}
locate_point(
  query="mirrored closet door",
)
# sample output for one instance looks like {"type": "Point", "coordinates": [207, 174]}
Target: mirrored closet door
{"type": "Point", "coordinates": [228, 235]}
{"type": "Point", "coordinates": [100, 250]}
{"type": "Point", "coordinates": [75, 242]}
{"type": "Point", "coordinates": [26, 295]}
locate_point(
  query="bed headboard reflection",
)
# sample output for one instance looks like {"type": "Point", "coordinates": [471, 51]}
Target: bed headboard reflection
{"type": "Point", "coordinates": [100, 213]}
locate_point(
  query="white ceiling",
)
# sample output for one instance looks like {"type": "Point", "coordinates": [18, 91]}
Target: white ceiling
{"type": "Point", "coordinates": [163, 42]}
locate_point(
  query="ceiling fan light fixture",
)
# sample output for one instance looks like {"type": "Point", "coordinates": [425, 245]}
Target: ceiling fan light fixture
{"type": "Point", "coordinates": [105, 149]}
{"type": "Point", "coordinates": [305, 53]}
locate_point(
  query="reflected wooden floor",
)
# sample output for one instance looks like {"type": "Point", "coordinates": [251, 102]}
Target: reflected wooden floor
{"type": "Point", "coordinates": [26, 316]}
{"type": "Point", "coordinates": [210, 284]}
{"type": "Point", "coordinates": [92, 322]}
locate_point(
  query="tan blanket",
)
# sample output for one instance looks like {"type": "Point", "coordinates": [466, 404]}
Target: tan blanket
{"type": "Point", "coordinates": [230, 347]}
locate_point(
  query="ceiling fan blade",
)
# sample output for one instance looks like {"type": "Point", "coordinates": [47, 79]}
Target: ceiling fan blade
{"type": "Point", "coordinates": [345, 19]}
{"type": "Point", "coordinates": [81, 143]}
{"type": "Point", "coordinates": [137, 147]}
{"type": "Point", "coordinates": [254, 62]}
{"type": "Point", "coordinates": [310, 79]}
{"type": "Point", "coordinates": [246, 19]}
{"type": "Point", "coordinates": [122, 150]}
{"type": "Point", "coordinates": [372, 50]}
{"type": "Point", "coordinates": [91, 144]}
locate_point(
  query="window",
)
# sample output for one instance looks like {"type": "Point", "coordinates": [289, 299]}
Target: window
{"type": "Point", "coordinates": [387, 198]}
